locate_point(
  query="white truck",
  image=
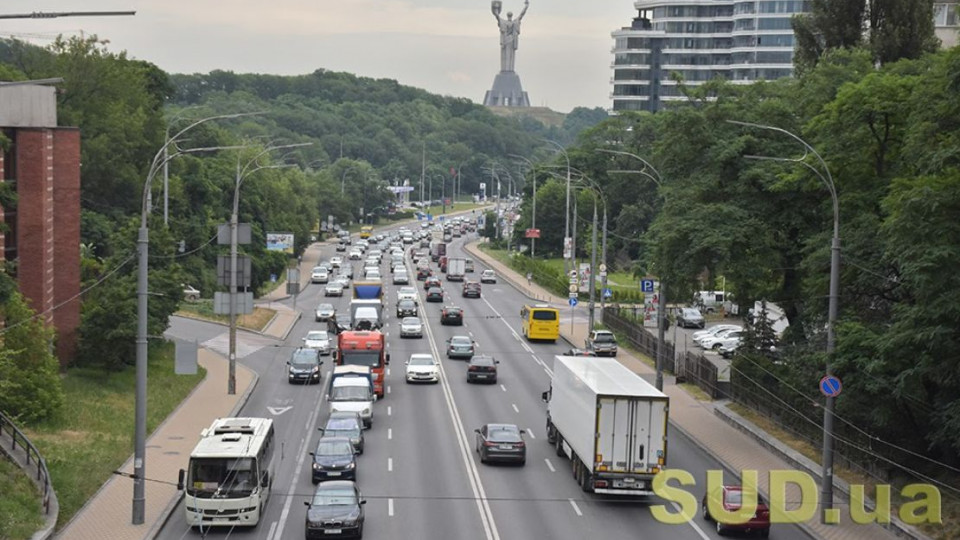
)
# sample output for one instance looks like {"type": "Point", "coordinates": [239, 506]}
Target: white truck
{"type": "Point", "coordinates": [353, 394]}
{"type": "Point", "coordinates": [456, 269]}
{"type": "Point", "coordinates": [610, 422]}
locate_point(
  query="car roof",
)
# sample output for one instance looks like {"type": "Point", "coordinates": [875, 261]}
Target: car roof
{"type": "Point", "coordinates": [508, 427]}
{"type": "Point", "coordinates": [343, 414]}
{"type": "Point", "coordinates": [481, 359]}
{"type": "Point", "coordinates": [410, 320]}
{"type": "Point", "coordinates": [434, 289]}
{"type": "Point", "coordinates": [336, 484]}
{"type": "Point", "coordinates": [333, 440]}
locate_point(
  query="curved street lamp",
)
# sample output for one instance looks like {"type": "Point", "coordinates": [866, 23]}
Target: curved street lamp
{"type": "Point", "coordinates": [566, 229]}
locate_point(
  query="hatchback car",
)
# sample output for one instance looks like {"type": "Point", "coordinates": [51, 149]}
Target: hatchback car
{"type": "Point", "coordinates": [471, 289]}
{"type": "Point", "coordinates": [355, 255]}
{"type": "Point", "coordinates": [333, 289]}
{"type": "Point", "coordinates": [411, 327]}
{"type": "Point", "coordinates": [324, 312]}
{"type": "Point", "coordinates": [482, 368]}
{"type": "Point", "coordinates": [304, 366]}
{"type": "Point", "coordinates": [341, 247]}
{"type": "Point", "coordinates": [334, 459]}
{"type": "Point", "coordinates": [435, 295]}
{"type": "Point", "coordinates": [488, 276]}
{"type": "Point", "coordinates": [422, 368]}
{"type": "Point", "coordinates": [690, 318]}
{"type": "Point", "coordinates": [461, 347]}
{"type": "Point", "coordinates": [406, 308]}
{"type": "Point", "coordinates": [319, 340]}
{"type": "Point", "coordinates": [451, 315]}
{"type": "Point", "coordinates": [406, 293]}
{"type": "Point", "coordinates": [401, 278]}
{"type": "Point", "coordinates": [731, 499]}
{"type": "Point", "coordinates": [335, 510]}
{"type": "Point", "coordinates": [346, 424]}
{"type": "Point", "coordinates": [431, 282]}
{"type": "Point", "coordinates": [602, 342]}
{"type": "Point", "coordinates": [501, 442]}
{"type": "Point", "coordinates": [319, 274]}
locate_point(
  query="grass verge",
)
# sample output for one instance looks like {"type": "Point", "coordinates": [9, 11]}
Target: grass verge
{"type": "Point", "coordinates": [695, 391]}
{"type": "Point", "coordinates": [20, 512]}
{"type": "Point", "coordinates": [203, 309]}
{"type": "Point", "coordinates": [95, 436]}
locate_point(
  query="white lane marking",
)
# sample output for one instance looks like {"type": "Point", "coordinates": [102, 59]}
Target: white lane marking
{"type": "Point", "coordinates": [389, 464]}
{"type": "Point", "coordinates": [516, 335]}
{"type": "Point", "coordinates": [390, 507]}
{"type": "Point", "coordinates": [388, 372]}
{"type": "Point", "coordinates": [273, 527]}
{"type": "Point", "coordinates": [388, 388]}
{"type": "Point", "coordinates": [389, 433]}
{"type": "Point", "coordinates": [389, 410]}
{"type": "Point", "coordinates": [296, 474]}
{"type": "Point", "coordinates": [549, 465]}
{"type": "Point", "coordinates": [526, 347]}
{"type": "Point", "coordinates": [515, 407]}
{"type": "Point", "coordinates": [530, 433]}
{"type": "Point", "coordinates": [576, 508]}
{"type": "Point", "coordinates": [471, 334]}
{"type": "Point", "coordinates": [692, 522]}
{"type": "Point", "coordinates": [504, 388]}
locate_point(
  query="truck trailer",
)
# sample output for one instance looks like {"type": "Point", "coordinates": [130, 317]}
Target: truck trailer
{"type": "Point", "coordinates": [456, 269]}
{"type": "Point", "coordinates": [610, 422]}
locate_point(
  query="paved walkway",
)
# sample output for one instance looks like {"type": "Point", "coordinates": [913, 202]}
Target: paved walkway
{"type": "Point", "coordinates": [107, 515]}
{"type": "Point", "coordinates": [697, 420]}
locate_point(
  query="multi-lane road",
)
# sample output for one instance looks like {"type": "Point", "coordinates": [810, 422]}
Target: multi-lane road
{"type": "Point", "coordinates": [420, 473]}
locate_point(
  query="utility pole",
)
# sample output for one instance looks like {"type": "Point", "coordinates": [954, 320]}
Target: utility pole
{"type": "Point", "coordinates": [593, 267]}
{"type": "Point", "coordinates": [533, 219]}
{"type": "Point", "coordinates": [423, 168]}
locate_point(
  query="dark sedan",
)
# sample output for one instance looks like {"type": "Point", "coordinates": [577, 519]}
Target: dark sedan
{"type": "Point", "coordinates": [334, 459]}
{"type": "Point", "coordinates": [501, 442]}
{"type": "Point", "coordinates": [335, 511]}
{"type": "Point", "coordinates": [406, 308]}
{"type": "Point", "coordinates": [482, 368]}
{"type": "Point", "coordinates": [451, 315]}
{"type": "Point", "coordinates": [346, 424]}
{"type": "Point", "coordinates": [471, 289]}
{"type": "Point", "coordinates": [435, 295]}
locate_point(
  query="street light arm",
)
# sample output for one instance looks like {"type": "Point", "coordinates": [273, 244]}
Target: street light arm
{"type": "Point", "coordinates": [658, 180]}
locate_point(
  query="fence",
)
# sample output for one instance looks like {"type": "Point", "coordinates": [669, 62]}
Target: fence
{"type": "Point", "coordinates": [43, 476]}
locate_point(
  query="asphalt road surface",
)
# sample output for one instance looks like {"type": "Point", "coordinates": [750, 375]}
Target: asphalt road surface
{"type": "Point", "coordinates": [420, 473]}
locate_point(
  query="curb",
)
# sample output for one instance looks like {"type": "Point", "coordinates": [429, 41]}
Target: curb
{"type": "Point", "coordinates": [165, 514]}
{"type": "Point", "coordinates": [803, 463]}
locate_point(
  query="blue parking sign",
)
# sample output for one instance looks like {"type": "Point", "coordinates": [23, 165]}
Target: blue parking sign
{"type": "Point", "coordinates": [646, 285]}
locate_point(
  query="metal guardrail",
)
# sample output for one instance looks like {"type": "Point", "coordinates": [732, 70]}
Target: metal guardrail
{"type": "Point", "coordinates": [33, 455]}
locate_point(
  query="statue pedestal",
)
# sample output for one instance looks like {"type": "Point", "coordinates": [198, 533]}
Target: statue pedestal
{"type": "Point", "coordinates": [506, 92]}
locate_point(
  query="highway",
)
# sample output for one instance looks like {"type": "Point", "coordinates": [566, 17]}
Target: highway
{"type": "Point", "coordinates": [420, 473]}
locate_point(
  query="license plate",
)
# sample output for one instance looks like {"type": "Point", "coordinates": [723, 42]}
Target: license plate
{"type": "Point", "coordinates": [628, 480]}
{"type": "Point", "coordinates": [481, 376]}
{"type": "Point", "coordinates": [333, 474]}
{"type": "Point", "coordinates": [333, 531]}
{"type": "Point", "coordinates": [506, 447]}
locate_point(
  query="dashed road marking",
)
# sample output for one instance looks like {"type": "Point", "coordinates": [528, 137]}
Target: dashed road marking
{"type": "Point", "coordinates": [576, 508]}
{"type": "Point", "coordinates": [390, 507]}
{"type": "Point", "coordinates": [549, 465]}
{"type": "Point", "coordinates": [504, 388]}
{"type": "Point", "coordinates": [389, 464]}
{"type": "Point", "coordinates": [530, 433]}
{"type": "Point", "coordinates": [515, 407]}
{"type": "Point", "coordinates": [389, 410]}
{"type": "Point", "coordinates": [389, 433]}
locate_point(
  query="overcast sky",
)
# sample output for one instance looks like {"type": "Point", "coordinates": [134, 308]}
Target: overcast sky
{"type": "Point", "coordinates": [448, 47]}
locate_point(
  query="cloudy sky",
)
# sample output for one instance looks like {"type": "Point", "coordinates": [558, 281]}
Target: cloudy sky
{"type": "Point", "coordinates": [448, 47]}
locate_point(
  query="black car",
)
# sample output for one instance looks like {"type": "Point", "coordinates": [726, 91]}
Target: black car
{"type": "Point", "coordinates": [501, 442]}
{"type": "Point", "coordinates": [346, 424]}
{"type": "Point", "coordinates": [482, 368]}
{"type": "Point", "coordinates": [304, 366]}
{"type": "Point", "coordinates": [335, 511]}
{"type": "Point", "coordinates": [471, 289]}
{"type": "Point", "coordinates": [435, 295]}
{"type": "Point", "coordinates": [451, 315]}
{"type": "Point", "coordinates": [334, 459]}
{"type": "Point", "coordinates": [406, 308]}
{"type": "Point", "coordinates": [423, 273]}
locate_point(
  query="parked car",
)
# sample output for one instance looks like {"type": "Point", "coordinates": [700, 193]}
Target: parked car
{"type": "Point", "coordinates": [319, 340]}
{"type": "Point", "coordinates": [690, 318]}
{"type": "Point", "coordinates": [471, 289]}
{"type": "Point", "coordinates": [406, 308]}
{"type": "Point", "coordinates": [334, 459]}
{"type": "Point", "coordinates": [411, 327]}
{"type": "Point", "coordinates": [404, 293]}
{"type": "Point", "coordinates": [190, 294]}
{"type": "Point", "coordinates": [319, 274]}
{"type": "Point", "coordinates": [345, 424]}
{"type": "Point", "coordinates": [501, 442]}
{"type": "Point", "coordinates": [724, 339]}
{"type": "Point", "coordinates": [488, 276]}
{"type": "Point", "coordinates": [333, 289]}
{"type": "Point", "coordinates": [482, 368]}
{"type": "Point", "coordinates": [304, 366]}
{"type": "Point", "coordinates": [461, 347]}
{"type": "Point", "coordinates": [324, 312]}
{"type": "Point", "coordinates": [336, 508]}
{"type": "Point", "coordinates": [712, 331]}
{"type": "Point", "coordinates": [451, 315]}
{"type": "Point", "coordinates": [602, 342]}
{"type": "Point", "coordinates": [422, 368]}
{"type": "Point", "coordinates": [435, 295]}
{"type": "Point", "coordinates": [731, 498]}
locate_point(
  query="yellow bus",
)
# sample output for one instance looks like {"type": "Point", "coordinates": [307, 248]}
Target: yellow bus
{"type": "Point", "coordinates": [366, 231]}
{"type": "Point", "coordinates": [540, 322]}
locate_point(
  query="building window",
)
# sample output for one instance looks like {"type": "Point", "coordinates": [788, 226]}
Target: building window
{"type": "Point", "coordinates": [945, 15]}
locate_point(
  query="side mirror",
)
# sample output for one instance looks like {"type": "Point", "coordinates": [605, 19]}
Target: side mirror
{"type": "Point", "coordinates": [265, 481]}
{"type": "Point", "coordinates": [363, 501]}
{"type": "Point", "coordinates": [320, 429]}
{"type": "Point", "coordinates": [288, 362]}
{"type": "Point", "coordinates": [303, 339]}
{"type": "Point", "coordinates": [407, 363]}
{"type": "Point", "coordinates": [545, 397]}
{"type": "Point", "coordinates": [180, 479]}
{"type": "Point", "coordinates": [306, 503]}
{"type": "Point", "coordinates": [523, 432]}
{"type": "Point", "coordinates": [374, 398]}
{"type": "Point", "coordinates": [388, 358]}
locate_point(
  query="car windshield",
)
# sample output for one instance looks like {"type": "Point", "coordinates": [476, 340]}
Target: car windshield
{"type": "Point", "coordinates": [481, 361]}
{"type": "Point", "coordinates": [304, 358]}
{"type": "Point", "coordinates": [317, 336]}
{"type": "Point", "coordinates": [360, 358]}
{"type": "Point", "coordinates": [435, 290]}
{"type": "Point", "coordinates": [691, 313]}
{"type": "Point", "coordinates": [604, 338]}
{"type": "Point", "coordinates": [334, 448]}
{"type": "Point", "coordinates": [735, 498]}
{"type": "Point", "coordinates": [422, 361]}
{"type": "Point", "coordinates": [503, 434]}
{"type": "Point", "coordinates": [407, 290]}
{"type": "Point", "coordinates": [411, 321]}
{"type": "Point", "coordinates": [407, 304]}
{"type": "Point", "coordinates": [335, 497]}
{"type": "Point", "coordinates": [324, 307]}
{"type": "Point", "coordinates": [214, 477]}
{"type": "Point", "coordinates": [461, 341]}
{"type": "Point", "coordinates": [544, 315]}
{"type": "Point", "coordinates": [350, 393]}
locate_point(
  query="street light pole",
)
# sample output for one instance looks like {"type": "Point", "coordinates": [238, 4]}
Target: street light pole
{"type": "Point", "coordinates": [593, 268]}
{"type": "Point", "coordinates": [566, 228]}
{"type": "Point", "coordinates": [826, 486]}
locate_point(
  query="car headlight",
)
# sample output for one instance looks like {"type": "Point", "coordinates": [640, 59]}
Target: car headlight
{"type": "Point", "coordinates": [365, 411]}
{"type": "Point", "coordinates": [351, 466]}
{"type": "Point", "coordinates": [316, 466]}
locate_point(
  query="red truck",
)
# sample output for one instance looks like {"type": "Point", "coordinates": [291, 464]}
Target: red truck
{"type": "Point", "coordinates": [364, 348]}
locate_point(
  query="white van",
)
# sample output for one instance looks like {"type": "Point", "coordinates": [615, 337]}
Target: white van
{"type": "Point", "coordinates": [353, 394]}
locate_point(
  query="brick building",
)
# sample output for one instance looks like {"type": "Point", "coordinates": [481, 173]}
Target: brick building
{"type": "Point", "coordinates": [42, 236]}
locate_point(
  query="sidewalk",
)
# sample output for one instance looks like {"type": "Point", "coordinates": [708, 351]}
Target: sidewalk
{"type": "Point", "coordinates": [698, 421]}
{"type": "Point", "coordinates": [106, 516]}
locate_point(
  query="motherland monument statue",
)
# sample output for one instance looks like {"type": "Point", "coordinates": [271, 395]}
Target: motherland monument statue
{"type": "Point", "coordinates": [507, 90]}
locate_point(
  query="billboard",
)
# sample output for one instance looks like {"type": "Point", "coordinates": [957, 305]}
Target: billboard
{"type": "Point", "coordinates": [280, 242]}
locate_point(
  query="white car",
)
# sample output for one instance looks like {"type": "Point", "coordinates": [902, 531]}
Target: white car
{"type": "Point", "coordinates": [731, 337]}
{"type": "Point", "coordinates": [422, 368]}
{"type": "Point", "coordinates": [401, 278]}
{"type": "Point", "coordinates": [333, 289]}
{"type": "Point", "coordinates": [319, 274]}
{"type": "Point", "coordinates": [318, 339]}
{"type": "Point", "coordinates": [336, 261]}
{"type": "Point", "coordinates": [488, 276]}
{"type": "Point", "coordinates": [343, 281]}
{"type": "Point", "coordinates": [411, 327]}
{"type": "Point", "coordinates": [355, 255]}
{"type": "Point", "coordinates": [325, 312]}
{"type": "Point", "coordinates": [405, 293]}
{"type": "Point", "coordinates": [712, 331]}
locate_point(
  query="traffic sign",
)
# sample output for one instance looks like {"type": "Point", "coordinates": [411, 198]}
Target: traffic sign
{"type": "Point", "coordinates": [573, 302]}
{"type": "Point", "coordinates": [646, 285]}
{"type": "Point", "coordinates": [607, 293]}
{"type": "Point", "coordinates": [830, 386]}
{"type": "Point", "coordinates": [573, 287]}
{"type": "Point", "coordinates": [603, 268]}
{"type": "Point", "coordinates": [573, 273]}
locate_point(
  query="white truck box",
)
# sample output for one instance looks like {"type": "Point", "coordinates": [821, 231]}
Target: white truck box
{"type": "Point", "coordinates": [610, 422]}
{"type": "Point", "coordinates": [456, 269]}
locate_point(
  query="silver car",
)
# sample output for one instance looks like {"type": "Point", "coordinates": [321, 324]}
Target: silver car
{"type": "Point", "coordinates": [411, 327]}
